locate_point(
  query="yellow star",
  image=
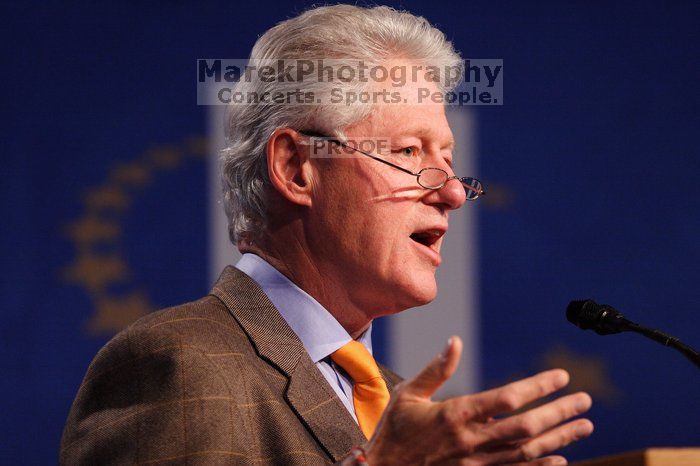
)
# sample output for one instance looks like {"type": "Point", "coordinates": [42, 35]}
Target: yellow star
{"type": "Point", "coordinates": [91, 229]}
{"type": "Point", "coordinates": [197, 146]}
{"type": "Point", "coordinates": [164, 158]}
{"type": "Point", "coordinates": [499, 197]}
{"type": "Point", "coordinates": [134, 174]}
{"type": "Point", "coordinates": [116, 313]}
{"type": "Point", "coordinates": [107, 197]}
{"type": "Point", "coordinates": [588, 373]}
{"type": "Point", "coordinates": [96, 272]}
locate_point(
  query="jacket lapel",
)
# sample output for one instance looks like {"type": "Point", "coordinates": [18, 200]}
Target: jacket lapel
{"type": "Point", "coordinates": [390, 377]}
{"type": "Point", "coordinates": [308, 392]}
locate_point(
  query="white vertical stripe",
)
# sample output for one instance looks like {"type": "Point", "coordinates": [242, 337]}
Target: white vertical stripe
{"type": "Point", "coordinates": [417, 335]}
{"type": "Point", "coordinates": [221, 251]}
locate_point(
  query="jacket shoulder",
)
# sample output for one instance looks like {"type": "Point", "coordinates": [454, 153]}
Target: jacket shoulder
{"type": "Point", "coordinates": [179, 370]}
{"type": "Point", "coordinates": [206, 324]}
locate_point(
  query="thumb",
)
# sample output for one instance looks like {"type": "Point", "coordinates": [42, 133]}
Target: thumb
{"type": "Point", "coordinates": [441, 368]}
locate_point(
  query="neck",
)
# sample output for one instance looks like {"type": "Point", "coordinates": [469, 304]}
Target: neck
{"type": "Point", "coordinates": [288, 253]}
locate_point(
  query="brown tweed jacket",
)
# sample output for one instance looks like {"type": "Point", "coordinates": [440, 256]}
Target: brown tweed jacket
{"type": "Point", "coordinates": [222, 380]}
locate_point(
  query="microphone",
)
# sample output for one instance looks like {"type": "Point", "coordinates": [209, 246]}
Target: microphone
{"type": "Point", "coordinates": [588, 315]}
{"type": "Point", "coordinates": [606, 320]}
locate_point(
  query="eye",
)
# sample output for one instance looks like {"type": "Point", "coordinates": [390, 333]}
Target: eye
{"type": "Point", "coordinates": [411, 151]}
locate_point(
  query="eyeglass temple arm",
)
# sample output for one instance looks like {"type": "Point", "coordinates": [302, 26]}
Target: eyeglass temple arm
{"type": "Point", "coordinates": [480, 192]}
{"type": "Point", "coordinates": [338, 141]}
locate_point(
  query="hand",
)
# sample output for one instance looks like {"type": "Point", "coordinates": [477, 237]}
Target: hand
{"type": "Point", "coordinates": [415, 430]}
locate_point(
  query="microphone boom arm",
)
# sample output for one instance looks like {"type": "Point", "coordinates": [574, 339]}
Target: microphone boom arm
{"type": "Point", "coordinates": [666, 340]}
{"type": "Point", "coordinates": [606, 320]}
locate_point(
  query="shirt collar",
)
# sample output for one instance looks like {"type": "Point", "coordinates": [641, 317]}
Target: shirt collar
{"type": "Point", "coordinates": [317, 329]}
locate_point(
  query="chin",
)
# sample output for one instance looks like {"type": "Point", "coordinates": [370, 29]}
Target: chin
{"type": "Point", "coordinates": [403, 285]}
{"type": "Point", "coordinates": [422, 290]}
{"type": "Point", "coordinates": [426, 296]}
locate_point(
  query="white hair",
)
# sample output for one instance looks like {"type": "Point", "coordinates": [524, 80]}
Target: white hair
{"type": "Point", "coordinates": [336, 32]}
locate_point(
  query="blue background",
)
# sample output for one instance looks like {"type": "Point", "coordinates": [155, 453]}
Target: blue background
{"type": "Point", "coordinates": [592, 163]}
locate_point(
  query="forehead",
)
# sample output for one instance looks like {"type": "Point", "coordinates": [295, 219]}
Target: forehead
{"type": "Point", "coordinates": [407, 110]}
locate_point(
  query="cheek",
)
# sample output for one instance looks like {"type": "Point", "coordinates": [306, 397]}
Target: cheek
{"type": "Point", "coordinates": [342, 205]}
{"type": "Point", "coordinates": [340, 227]}
{"type": "Point", "coordinates": [358, 219]}
{"type": "Point", "coordinates": [374, 234]}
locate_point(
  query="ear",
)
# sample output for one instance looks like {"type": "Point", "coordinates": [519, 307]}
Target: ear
{"type": "Point", "coordinates": [289, 166]}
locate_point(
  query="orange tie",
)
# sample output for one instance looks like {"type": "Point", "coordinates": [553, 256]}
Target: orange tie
{"type": "Point", "coordinates": [369, 392]}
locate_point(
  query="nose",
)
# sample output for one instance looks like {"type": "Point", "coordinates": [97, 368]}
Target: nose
{"type": "Point", "coordinates": [451, 196]}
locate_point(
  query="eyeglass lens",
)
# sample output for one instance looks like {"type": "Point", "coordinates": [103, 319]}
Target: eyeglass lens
{"type": "Point", "coordinates": [435, 178]}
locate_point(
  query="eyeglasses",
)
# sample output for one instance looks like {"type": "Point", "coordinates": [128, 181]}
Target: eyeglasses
{"type": "Point", "coordinates": [428, 178]}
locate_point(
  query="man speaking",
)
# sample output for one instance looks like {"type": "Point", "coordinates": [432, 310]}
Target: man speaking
{"type": "Point", "coordinates": [275, 365]}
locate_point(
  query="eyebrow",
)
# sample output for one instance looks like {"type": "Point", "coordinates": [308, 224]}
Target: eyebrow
{"type": "Point", "coordinates": [422, 133]}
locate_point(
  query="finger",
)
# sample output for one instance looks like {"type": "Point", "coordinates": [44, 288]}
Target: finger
{"type": "Point", "coordinates": [441, 368]}
{"type": "Point", "coordinates": [546, 461]}
{"type": "Point", "coordinates": [527, 452]}
{"type": "Point", "coordinates": [534, 422]}
{"type": "Point", "coordinates": [557, 438]}
{"type": "Point", "coordinates": [515, 395]}
{"type": "Point", "coordinates": [554, 460]}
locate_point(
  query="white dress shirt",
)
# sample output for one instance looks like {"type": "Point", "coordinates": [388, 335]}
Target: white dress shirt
{"type": "Point", "coordinates": [317, 329]}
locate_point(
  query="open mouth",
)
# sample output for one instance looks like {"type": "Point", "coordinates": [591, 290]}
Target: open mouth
{"type": "Point", "coordinates": [427, 237]}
